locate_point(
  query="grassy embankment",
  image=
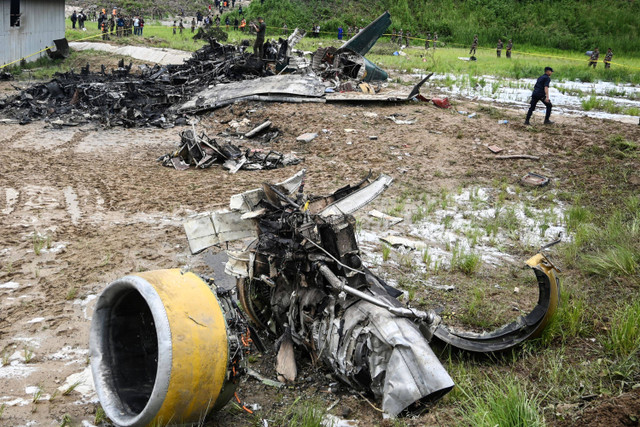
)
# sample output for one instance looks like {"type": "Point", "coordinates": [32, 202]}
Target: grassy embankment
{"type": "Point", "coordinates": [563, 24]}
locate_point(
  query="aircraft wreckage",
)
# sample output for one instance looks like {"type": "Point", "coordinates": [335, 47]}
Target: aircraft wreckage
{"type": "Point", "coordinates": [169, 346]}
{"type": "Point", "coordinates": [215, 76]}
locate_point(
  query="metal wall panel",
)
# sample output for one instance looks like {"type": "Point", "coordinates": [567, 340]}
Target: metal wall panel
{"type": "Point", "coordinates": [41, 22]}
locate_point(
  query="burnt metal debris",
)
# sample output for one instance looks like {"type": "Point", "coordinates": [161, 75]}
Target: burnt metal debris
{"type": "Point", "coordinates": [216, 75]}
{"type": "Point", "coordinates": [121, 98]}
{"type": "Point", "coordinates": [200, 151]}
{"type": "Point", "coordinates": [302, 280]}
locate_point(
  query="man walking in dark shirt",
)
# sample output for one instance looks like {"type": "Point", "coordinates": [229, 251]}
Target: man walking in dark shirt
{"type": "Point", "coordinates": [261, 29]}
{"type": "Point", "coordinates": [541, 93]}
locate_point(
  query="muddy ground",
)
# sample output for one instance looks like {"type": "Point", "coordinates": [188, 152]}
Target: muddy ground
{"type": "Point", "coordinates": [82, 206]}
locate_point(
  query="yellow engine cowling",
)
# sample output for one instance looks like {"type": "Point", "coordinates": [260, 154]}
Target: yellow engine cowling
{"type": "Point", "coordinates": [160, 349]}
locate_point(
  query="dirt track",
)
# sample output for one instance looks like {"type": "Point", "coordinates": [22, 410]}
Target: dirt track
{"type": "Point", "coordinates": [104, 207]}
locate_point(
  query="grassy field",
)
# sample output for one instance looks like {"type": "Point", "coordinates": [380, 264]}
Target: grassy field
{"type": "Point", "coordinates": [561, 24]}
{"type": "Point", "coordinates": [527, 61]}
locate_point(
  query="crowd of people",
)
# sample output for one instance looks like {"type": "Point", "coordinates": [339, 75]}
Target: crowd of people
{"type": "Point", "coordinates": [110, 23]}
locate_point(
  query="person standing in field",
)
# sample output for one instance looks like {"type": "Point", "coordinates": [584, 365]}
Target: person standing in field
{"type": "Point", "coordinates": [400, 36]}
{"type": "Point", "coordinates": [340, 31]}
{"type": "Point", "coordinates": [74, 18]}
{"type": "Point", "coordinates": [509, 47]}
{"type": "Point", "coordinates": [407, 35]}
{"type": "Point", "coordinates": [499, 48]}
{"type": "Point", "coordinates": [193, 25]}
{"type": "Point", "coordinates": [284, 29]}
{"type": "Point", "coordinates": [435, 40]}
{"type": "Point", "coordinates": [427, 41]}
{"type": "Point", "coordinates": [474, 45]}
{"type": "Point", "coordinates": [607, 58]}
{"type": "Point", "coordinates": [175, 27]}
{"type": "Point", "coordinates": [593, 60]}
{"type": "Point", "coordinates": [261, 29]}
{"type": "Point", "coordinates": [541, 93]}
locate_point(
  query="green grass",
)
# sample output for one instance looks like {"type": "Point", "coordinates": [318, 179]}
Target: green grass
{"type": "Point", "coordinates": [504, 403]}
{"type": "Point", "coordinates": [623, 338]}
{"type": "Point", "coordinates": [466, 262]}
{"type": "Point", "coordinates": [301, 413]}
{"type": "Point", "coordinates": [40, 242]}
{"type": "Point", "coordinates": [100, 416]}
{"type": "Point", "coordinates": [562, 24]}
{"type": "Point", "coordinates": [570, 320]}
{"type": "Point", "coordinates": [567, 65]}
{"type": "Point", "coordinates": [608, 105]}
{"type": "Point", "coordinates": [607, 246]}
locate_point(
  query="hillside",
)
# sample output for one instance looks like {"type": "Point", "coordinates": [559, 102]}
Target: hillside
{"type": "Point", "coordinates": [562, 24]}
{"type": "Point", "coordinates": [559, 24]}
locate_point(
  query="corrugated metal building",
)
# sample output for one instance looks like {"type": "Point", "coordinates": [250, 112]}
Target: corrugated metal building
{"type": "Point", "coordinates": [26, 26]}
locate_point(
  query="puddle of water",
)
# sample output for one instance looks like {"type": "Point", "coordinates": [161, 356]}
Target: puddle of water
{"type": "Point", "coordinates": [71, 199]}
{"type": "Point", "coordinates": [12, 197]}
{"type": "Point", "coordinates": [10, 285]}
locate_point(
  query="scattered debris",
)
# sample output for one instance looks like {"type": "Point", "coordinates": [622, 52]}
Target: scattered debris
{"type": "Point", "coordinates": [403, 241]}
{"type": "Point", "coordinates": [429, 284]}
{"type": "Point", "coordinates": [303, 280]}
{"type": "Point", "coordinates": [393, 220]}
{"type": "Point", "coordinates": [265, 381]}
{"type": "Point", "coordinates": [203, 152]}
{"type": "Point", "coordinates": [5, 75]}
{"type": "Point", "coordinates": [534, 180]}
{"type": "Point", "coordinates": [517, 156]}
{"type": "Point", "coordinates": [394, 118]}
{"type": "Point", "coordinates": [503, 122]}
{"type": "Point", "coordinates": [373, 137]}
{"type": "Point", "coordinates": [441, 102]}
{"type": "Point", "coordinates": [62, 49]}
{"type": "Point", "coordinates": [494, 149]}
{"type": "Point", "coordinates": [307, 137]}
{"type": "Point", "coordinates": [258, 129]}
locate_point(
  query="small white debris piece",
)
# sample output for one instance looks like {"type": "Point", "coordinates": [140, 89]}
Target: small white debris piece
{"type": "Point", "coordinates": [370, 114]}
{"type": "Point", "coordinates": [516, 290]}
{"type": "Point", "coordinates": [10, 285]}
{"type": "Point", "coordinates": [307, 137]}
{"type": "Point", "coordinates": [330, 420]}
{"type": "Point", "coordinates": [403, 241]}
{"type": "Point", "coordinates": [82, 382]}
{"type": "Point", "coordinates": [399, 121]}
{"type": "Point", "coordinates": [393, 220]}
